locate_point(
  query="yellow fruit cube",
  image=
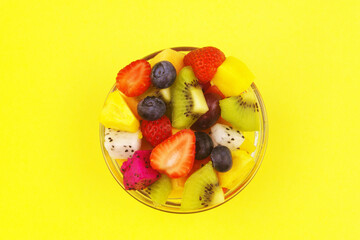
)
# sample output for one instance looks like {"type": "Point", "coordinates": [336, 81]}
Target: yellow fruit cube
{"type": "Point", "coordinates": [175, 57]}
{"type": "Point", "coordinates": [243, 163]}
{"type": "Point", "coordinates": [232, 77]}
{"type": "Point", "coordinates": [248, 144]}
{"type": "Point", "coordinates": [117, 115]}
{"type": "Point", "coordinates": [177, 187]}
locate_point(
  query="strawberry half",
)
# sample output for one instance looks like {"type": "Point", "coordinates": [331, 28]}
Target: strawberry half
{"type": "Point", "coordinates": [175, 156]}
{"type": "Point", "coordinates": [204, 62]}
{"type": "Point", "coordinates": [134, 79]}
{"type": "Point", "coordinates": [156, 131]}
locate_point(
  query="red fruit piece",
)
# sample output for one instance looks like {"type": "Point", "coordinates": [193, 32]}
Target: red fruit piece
{"type": "Point", "coordinates": [204, 62]}
{"type": "Point", "coordinates": [137, 171]}
{"type": "Point", "coordinates": [134, 79]}
{"type": "Point", "coordinates": [205, 86]}
{"type": "Point", "coordinates": [215, 89]}
{"type": "Point", "coordinates": [156, 131]}
{"type": "Point", "coordinates": [199, 164]}
{"type": "Point", "coordinates": [175, 156]}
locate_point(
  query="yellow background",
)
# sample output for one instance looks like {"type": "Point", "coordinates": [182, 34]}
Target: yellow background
{"type": "Point", "coordinates": [58, 59]}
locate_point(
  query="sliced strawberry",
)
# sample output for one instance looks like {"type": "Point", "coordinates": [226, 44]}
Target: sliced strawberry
{"type": "Point", "coordinates": [156, 131]}
{"type": "Point", "coordinates": [204, 62]}
{"type": "Point", "coordinates": [215, 89]}
{"type": "Point", "coordinates": [175, 156]}
{"type": "Point", "coordinates": [134, 79]}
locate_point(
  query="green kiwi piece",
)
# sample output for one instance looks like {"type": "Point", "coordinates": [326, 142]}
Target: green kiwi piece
{"type": "Point", "coordinates": [241, 111]}
{"type": "Point", "coordinates": [202, 189]}
{"type": "Point", "coordinates": [160, 190]}
{"type": "Point", "coordinates": [187, 98]}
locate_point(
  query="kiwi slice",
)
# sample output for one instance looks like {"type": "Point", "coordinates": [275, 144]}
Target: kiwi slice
{"type": "Point", "coordinates": [202, 189]}
{"type": "Point", "coordinates": [160, 190]}
{"type": "Point", "coordinates": [188, 101]}
{"type": "Point", "coordinates": [241, 111]}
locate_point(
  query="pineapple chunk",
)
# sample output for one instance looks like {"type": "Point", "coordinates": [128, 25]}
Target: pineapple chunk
{"type": "Point", "coordinates": [132, 103]}
{"type": "Point", "coordinates": [249, 144]}
{"type": "Point", "coordinates": [117, 115]}
{"type": "Point", "coordinates": [243, 163]}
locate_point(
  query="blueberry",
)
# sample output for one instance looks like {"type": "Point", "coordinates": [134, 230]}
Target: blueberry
{"type": "Point", "coordinates": [221, 158]}
{"type": "Point", "coordinates": [151, 108]}
{"type": "Point", "coordinates": [163, 74]}
{"type": "Point", "coordinates": [204, 145]}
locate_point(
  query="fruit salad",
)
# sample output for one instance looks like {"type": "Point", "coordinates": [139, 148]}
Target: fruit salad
{"type": "Point", "coordinates": [183, 125]}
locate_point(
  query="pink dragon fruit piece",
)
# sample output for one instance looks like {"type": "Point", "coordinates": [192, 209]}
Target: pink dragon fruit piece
{"type": "Point", "coordinates": [137, 171]}
{"type": "Point", "coordinates": [124, 166]}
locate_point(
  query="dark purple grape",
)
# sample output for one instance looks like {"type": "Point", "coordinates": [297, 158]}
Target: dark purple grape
{"type": "Point", "coordinates": [204, 145]}
{"type": "Point", "coordinates": [210, 117]}
{"type": "Point", "coordinates": [221, 158]}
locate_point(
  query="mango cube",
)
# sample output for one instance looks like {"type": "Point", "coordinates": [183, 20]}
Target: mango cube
{"type": "Point", "coordinates": [232, 77]}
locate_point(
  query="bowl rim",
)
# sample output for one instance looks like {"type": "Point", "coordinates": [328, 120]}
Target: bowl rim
{"type": "Point", "coordinates": [259, 153]}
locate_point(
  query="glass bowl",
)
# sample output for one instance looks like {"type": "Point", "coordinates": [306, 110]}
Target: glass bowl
{"type": "Point", "coordinates": [173, 204]}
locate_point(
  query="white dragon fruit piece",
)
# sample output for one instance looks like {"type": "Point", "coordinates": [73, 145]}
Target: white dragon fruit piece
{"type": "Point", "coordinates": [120, 144]}
{"type": "Point", "coordinates": [226, 136]}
